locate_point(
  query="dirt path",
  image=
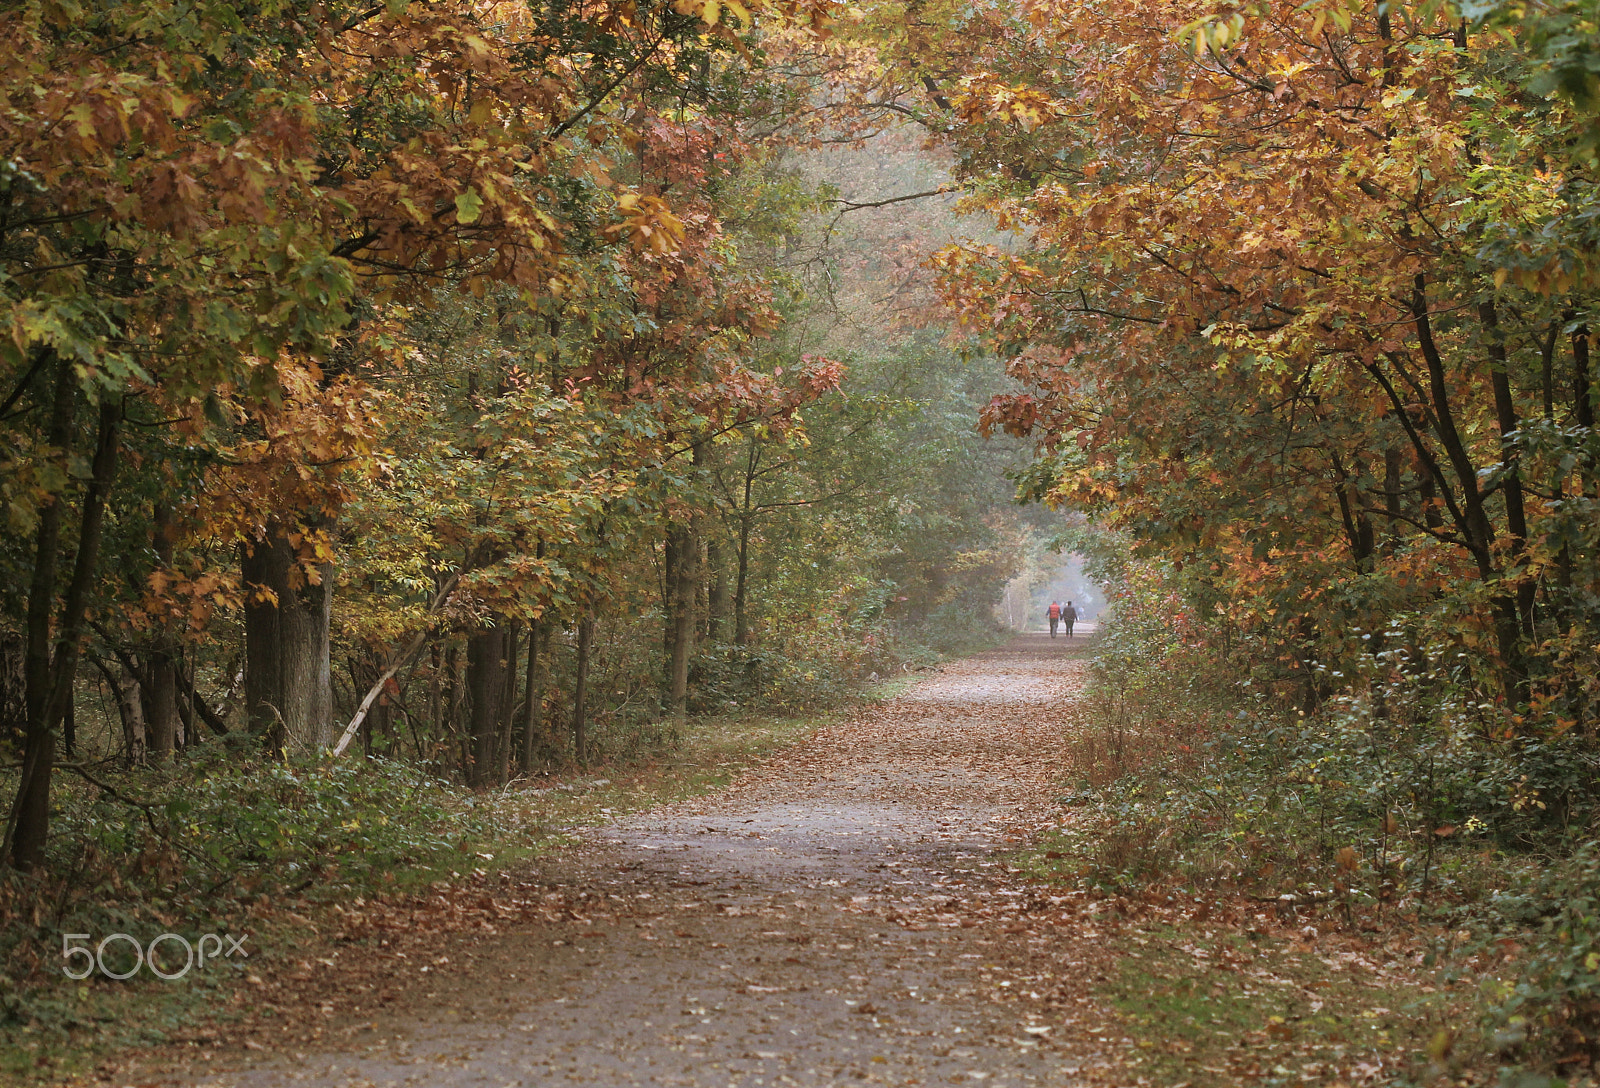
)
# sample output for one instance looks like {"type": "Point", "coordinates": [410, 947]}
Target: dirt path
{"type": "Point", "coordinates": [842, 915]}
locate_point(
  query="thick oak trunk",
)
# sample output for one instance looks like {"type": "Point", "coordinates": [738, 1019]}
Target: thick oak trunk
{"type": "Point", "coordinates": [288, 687]}
{"type": "Point", "coordinates": [160, 696]}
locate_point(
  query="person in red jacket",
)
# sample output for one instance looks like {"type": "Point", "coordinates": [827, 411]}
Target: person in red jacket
{"type": "Point", "coordinates": [1054, 613]}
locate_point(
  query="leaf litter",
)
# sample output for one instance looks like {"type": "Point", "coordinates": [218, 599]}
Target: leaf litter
{"type": "Point", "coordinates": [846, 911]}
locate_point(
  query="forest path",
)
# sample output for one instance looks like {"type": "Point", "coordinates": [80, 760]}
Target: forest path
{"type": "Point", "coordinates": [841, 914]}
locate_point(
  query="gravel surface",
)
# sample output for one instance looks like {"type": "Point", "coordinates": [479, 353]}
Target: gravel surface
{"type": "Point", "coordinates": [842, 914]}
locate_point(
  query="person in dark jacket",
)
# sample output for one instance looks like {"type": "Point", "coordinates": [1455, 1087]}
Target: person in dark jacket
{"type": "Point", "coordinates": [1069, 616]}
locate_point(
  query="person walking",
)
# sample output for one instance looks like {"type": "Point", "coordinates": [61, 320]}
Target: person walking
{"type": "Point", "coordinates": [1054, 615]}
{"type": "Point", "coordinates": [1069, 616]}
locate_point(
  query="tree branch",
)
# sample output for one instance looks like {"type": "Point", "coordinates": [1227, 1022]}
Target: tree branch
{"type": "Point", "coordinates": [852, 205]}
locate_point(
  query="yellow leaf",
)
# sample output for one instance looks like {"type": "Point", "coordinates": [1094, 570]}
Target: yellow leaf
{"type": "Point", "coordinates": [469, 205]}
{"type": "Point", "coordinates": [83, 115]}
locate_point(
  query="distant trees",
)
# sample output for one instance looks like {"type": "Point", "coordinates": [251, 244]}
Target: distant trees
{"type": "Point", "coordinates": [1301, 297]}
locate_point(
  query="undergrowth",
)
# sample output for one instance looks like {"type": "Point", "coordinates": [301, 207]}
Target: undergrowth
{"type": "Point", "coordinates": [1406, 804]}
{"type": "Point", "coordinates": [256, 848]}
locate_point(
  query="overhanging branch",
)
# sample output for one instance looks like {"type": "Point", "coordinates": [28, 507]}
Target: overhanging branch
{"type": "Point", "coordinates": [853, 205]}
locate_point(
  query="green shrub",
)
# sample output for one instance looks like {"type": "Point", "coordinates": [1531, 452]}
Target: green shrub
{"type": "Point", "coordinates": [1548, 1012]}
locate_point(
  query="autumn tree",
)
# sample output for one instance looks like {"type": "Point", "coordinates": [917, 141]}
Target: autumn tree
{"type": "Point", "coordinates": [205, 213]}
{"type": "Point", "coordinates": [1294, 297]}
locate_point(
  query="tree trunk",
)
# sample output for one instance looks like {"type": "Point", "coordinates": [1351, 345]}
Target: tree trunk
{"type": "Point", "coordinates": [370, 723]}
{"type": "Point", "coordinates": [12, 714]}
{"type": "Point", "coordinates": [161, 704]}
{"type": "Point", "coordinates": [1583, 397]}
{"type": "Point", "coordinates": [1505, 408]}
{"type": "Point", "coordinates": [1391, 495]}
{"type": "Point", "coordinates": [29, 824]}
{"type": "Point", "coordinates": [288, 687]}
{"type": "Point", "coordinates": [580, 689]}
{"type": "Point", "coordinates": [380, 718]}
{"type": "Point", "coordinates": [451, 735]}
{"type": "Point", "coordinates": [486, 686]}
{"type": "Point", "coordinates": [538, 678]}
{"type": "Point", "coordinates": [508, 707]}
{"type": "Point", "coordinates": [161, 687]}
{"type": "Point", "coordinates": [747, 516]}
{"type": "Point", "coordinates": [669, 579]}
{"type": "Point", "coordinates": [36, 655]}
{"type": "Point", "coordinates": [680, 616]}
{"type": "Point", "coordinates": [741, 582]}
{"type": "Point", "coordinates": [69, 729]}
{"type": "Point", "coordinates": [1357, 526]}
{"type": "Point", "coordinates": [130, 710]}
{"type": "Point", "coordinates": [435, 699]}
{"type": "Point", "coordinates": [1583, 416]}
{"type": "Point", "coordinates": [1427, 496]}
{"type": "Point", "coordinates": [1473, 520]}
{"type": "Point", "coordinates": [717, 593]}
{"type": "Point", "coordinates": [183, 702]}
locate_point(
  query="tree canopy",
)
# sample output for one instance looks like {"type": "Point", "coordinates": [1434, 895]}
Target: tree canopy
{"type": "Point", "coordinates": [491, 386]}
{"type": "Point", "coordinates": [380, 371]}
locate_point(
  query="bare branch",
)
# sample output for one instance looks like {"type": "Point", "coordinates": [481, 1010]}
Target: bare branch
{"type": "Point", "coordinates": [852, 205]}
